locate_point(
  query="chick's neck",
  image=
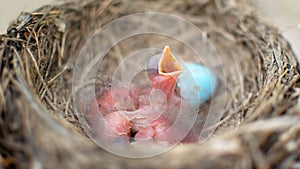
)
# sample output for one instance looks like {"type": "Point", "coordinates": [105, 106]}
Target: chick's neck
{"type": "Point", "coordinates": [164, 83]}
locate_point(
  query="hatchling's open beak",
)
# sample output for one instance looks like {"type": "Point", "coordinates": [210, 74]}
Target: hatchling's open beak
{"type": "Point", "coordinates": [168, 64]}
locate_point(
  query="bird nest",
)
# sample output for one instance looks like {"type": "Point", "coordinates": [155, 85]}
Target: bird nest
{"type": "Point", "coordinates": [259, 125]}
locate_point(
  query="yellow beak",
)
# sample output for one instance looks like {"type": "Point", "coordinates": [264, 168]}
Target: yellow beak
{"type": "Point", "coordinates": [168, 64]}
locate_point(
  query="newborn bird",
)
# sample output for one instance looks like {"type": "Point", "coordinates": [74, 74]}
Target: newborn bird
{"type": "Point", "coordinates": [163, 105]}
{"type": "Point", "coordinates": [147, 114]}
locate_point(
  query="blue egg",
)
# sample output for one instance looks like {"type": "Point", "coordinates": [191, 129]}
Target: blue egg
{"type": "Point", "coordinates": [197, 83]}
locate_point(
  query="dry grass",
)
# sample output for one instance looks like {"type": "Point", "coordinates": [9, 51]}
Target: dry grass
{"type": "Point", "coordinates": [38, 125]}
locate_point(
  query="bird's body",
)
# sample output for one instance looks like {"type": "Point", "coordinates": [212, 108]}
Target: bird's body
{"type": "Point", "coordinates": [147, 114]}
{"type": "Point", "coordinates": [117, 98]}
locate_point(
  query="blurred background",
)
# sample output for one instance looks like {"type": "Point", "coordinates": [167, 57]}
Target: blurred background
{"type": "Point", "coordinates": [284, 14]}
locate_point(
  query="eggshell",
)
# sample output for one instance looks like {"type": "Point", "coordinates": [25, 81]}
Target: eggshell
{"type": "Point", "coordinates": [197, 83]}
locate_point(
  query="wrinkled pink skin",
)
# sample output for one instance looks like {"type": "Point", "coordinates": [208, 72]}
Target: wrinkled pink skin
{"type": "Point", "coordinates": [117, 127]}
{"type": "Point", "coordinates": [116, 98]}
{"type": "Point", "coordinates": [148, 113]}
{"type": "Point", "coordinates": [137, 112]}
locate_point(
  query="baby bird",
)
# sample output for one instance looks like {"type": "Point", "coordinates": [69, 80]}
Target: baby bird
{"type": "Point", "coordinates": [147, 114]}
{"type": "Point", "coordinates": [161, 110]}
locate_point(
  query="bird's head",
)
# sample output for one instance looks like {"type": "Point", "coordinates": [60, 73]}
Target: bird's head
{"type": "Point", "coordinates": [163, 71]}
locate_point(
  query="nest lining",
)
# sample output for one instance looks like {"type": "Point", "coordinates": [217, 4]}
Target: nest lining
{"type": "Point", "coordinates": [38, 126]}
